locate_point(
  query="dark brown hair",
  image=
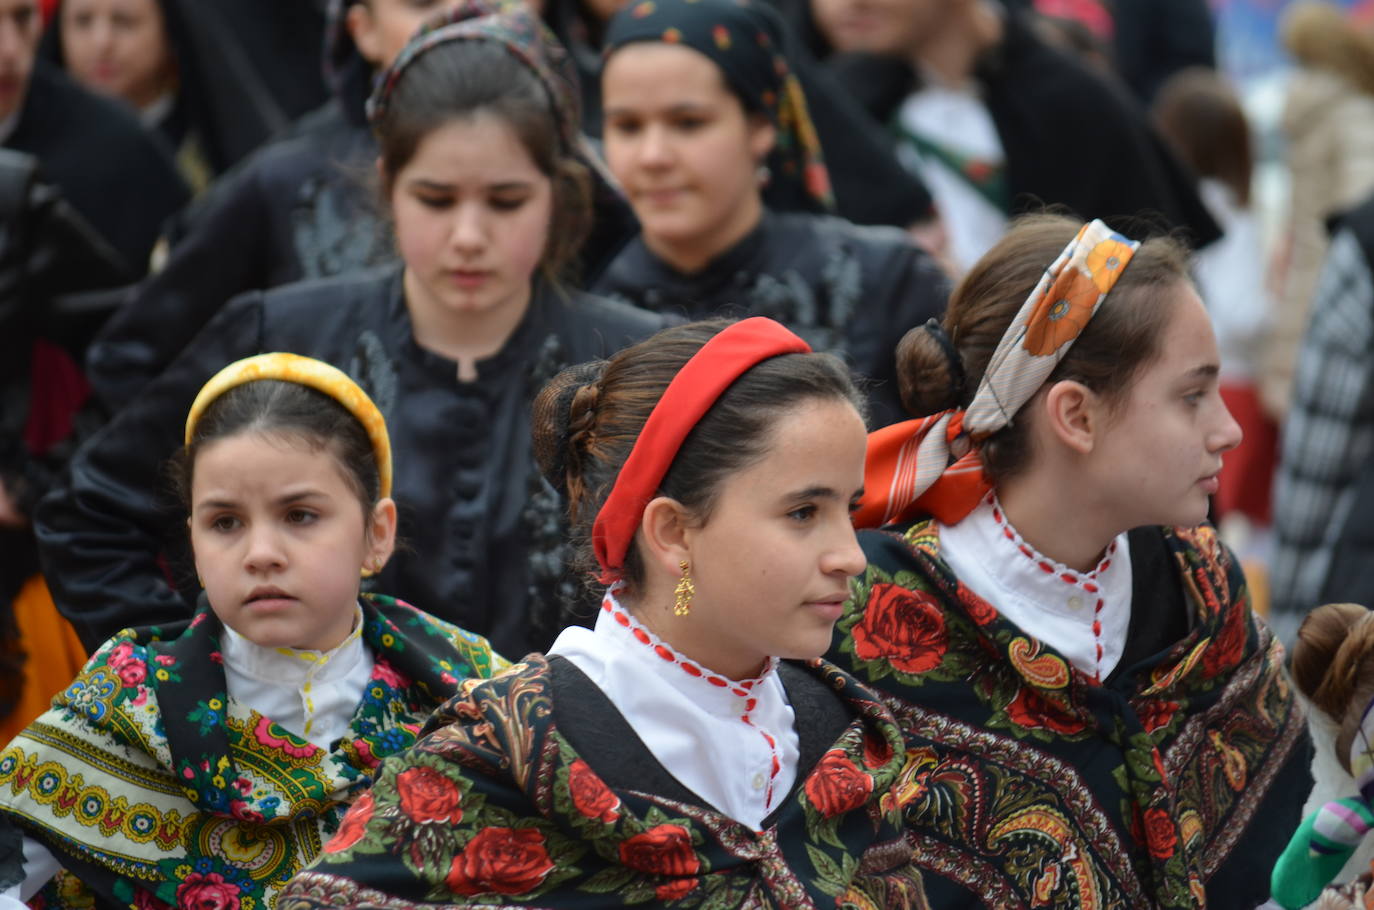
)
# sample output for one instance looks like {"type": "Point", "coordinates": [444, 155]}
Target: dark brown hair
{"type": "Point", "coordinates": [1333, 666]}
{"type": "Point", "coordinates": [1200, 116]}
{"type": "Point", "coordinates": [586, 421]}
{"type": "Point", "coordinates": [459, 80]}
{"type": "Point", "coordinates": [1121, 338]}
{"type": "Point", "coordinates": [293, 412]}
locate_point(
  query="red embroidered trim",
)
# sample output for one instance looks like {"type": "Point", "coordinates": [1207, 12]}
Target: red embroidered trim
{"type": "Point", "coordinates": [1086, 582]}
{"type": "Point", "coordinates": [741, 688]}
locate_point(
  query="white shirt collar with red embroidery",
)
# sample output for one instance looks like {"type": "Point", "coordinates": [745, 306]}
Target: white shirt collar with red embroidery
{"type": "Point", "coordinates": [1083, 615]}
{"type": "Point", "coordinates": [732, 742]}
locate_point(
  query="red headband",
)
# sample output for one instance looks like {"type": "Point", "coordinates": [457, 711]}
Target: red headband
{"type": "Point", "coordinates": [697, 386]}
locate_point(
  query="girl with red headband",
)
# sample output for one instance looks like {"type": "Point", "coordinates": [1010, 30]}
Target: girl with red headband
{"type": "Point", "coordinates": [1093, 715]}
{"type": "Point", "coordinates": [690, 750]}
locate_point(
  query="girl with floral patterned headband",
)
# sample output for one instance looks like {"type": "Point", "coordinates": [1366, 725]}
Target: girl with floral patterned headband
{"type": "Point", "coordinates": [210, 757]}
{"type": "Point", "coordinates": [1093, 715]}
{"type": "Point", "coordinates": [668, 755]}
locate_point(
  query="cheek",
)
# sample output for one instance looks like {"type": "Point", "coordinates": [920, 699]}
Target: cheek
{"type": "Point", "coordinates": [526, 235]}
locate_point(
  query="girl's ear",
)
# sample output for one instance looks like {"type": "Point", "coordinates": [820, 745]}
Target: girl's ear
{"type": "Point", "coordinates": [381, 535]}
{"type": "Point", "coordinates": [362, 28]}
{"type": "Point", "coordinates": [664, 535]}
{"type": "Point", "coordinates": [762, 136]}
{"type": "Point", "coordinates": [1075, 415]}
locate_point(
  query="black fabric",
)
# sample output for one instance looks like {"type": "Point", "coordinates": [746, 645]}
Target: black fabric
{"type": "Point", "coordinates": [850, 290]}
{"type": "Point", "coordinates": [1071, 137]}
{"type": "Point", "coordinates": [1153, 39]}
{"type": "Point", "coordinates": [118, 176]}
{"type": "Point", "coordinates": [483, 535]}
{"type": "Point", "coordinates": [1159, 610]}
{"type": "Point", "coordinates": [596, 729]}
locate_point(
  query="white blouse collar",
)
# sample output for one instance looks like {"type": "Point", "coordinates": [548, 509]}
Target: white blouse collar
{"type": "Point", "coordinates": [291, 667]}
{"type": "Point", "coordinates": [712, 691]}
{"type": "Point", "coordinates": [1083, 615]}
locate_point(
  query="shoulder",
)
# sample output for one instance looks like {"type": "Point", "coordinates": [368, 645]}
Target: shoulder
{"type": "Point", "coordinates": [344, 303]}
{"type": "Point", "coordinates": [472, 654]}
{"type": "Point", "coordinates": [81, 118]}
{"type": "Point", "coordinates": [600, 324]}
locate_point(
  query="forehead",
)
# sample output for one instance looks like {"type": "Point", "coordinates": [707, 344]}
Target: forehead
{"type": "Point", "coordinates": [654, 72]}
{"type": "Point", "coordinates": [483, 145]}
{"type": "Point", "coordinates": [1187, 341]}
{"type": "Point", "coordinates": [263, 461]}
{"type": "Point", "coordinates": [818, 443]}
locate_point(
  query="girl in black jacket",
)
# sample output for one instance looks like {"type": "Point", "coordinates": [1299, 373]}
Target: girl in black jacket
{"type": "Point", "coordinates": [477, 125]}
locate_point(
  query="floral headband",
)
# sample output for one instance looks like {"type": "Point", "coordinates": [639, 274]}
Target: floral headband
{"type": "Point", "coordinates": [311, 373]}
{"type": "Point", "coordinates": [913, 467]}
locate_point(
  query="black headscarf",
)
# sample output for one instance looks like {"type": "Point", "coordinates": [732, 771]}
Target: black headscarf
{"type": "Point", "coordinates": [746, 41]}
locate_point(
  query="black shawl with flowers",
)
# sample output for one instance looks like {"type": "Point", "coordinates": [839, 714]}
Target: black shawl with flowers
{"type": "Point", "coordinates": [154, 788]}
{"type": "Point", "coordinates": [531, 790]}
{"type": "Point", "coordinates": [1175, 783]}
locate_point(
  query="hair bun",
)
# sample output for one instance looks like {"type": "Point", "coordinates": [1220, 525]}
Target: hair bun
{"type": "Point", "coordinates": [562, 417]}
{"type": "Point", "coordinates": [930, 371]}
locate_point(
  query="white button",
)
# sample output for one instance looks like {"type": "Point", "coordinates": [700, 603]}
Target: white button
{"type": "Point", "coordinates": [759, 781]}
{"type": "Point", "coordinates": [1075, 602]}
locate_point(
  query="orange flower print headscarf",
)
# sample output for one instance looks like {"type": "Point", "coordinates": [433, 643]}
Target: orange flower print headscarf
{"type": "Point", "coordinates": [912, 467]}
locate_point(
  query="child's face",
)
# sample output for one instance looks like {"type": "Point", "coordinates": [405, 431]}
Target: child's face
{"type": "Point", "coordinates": [1158, 458]}
{"type": "Point", "coordinates": [279, 539]}
{"type": "Point", "coordinates": [472, 214]}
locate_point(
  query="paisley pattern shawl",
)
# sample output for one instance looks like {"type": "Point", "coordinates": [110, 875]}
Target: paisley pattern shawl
{"type": "Point", "coordinates": [494, 805]}
{"type": "Point", "coordinates": [151, 785]}
{"type": "Point", "coordinates": [1030, 785]}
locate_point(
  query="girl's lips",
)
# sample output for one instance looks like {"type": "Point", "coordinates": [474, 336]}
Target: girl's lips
{"type": "Point", "coordinates": [469, 279]}
{"type": "Point", "coordinates": [1210, 485]}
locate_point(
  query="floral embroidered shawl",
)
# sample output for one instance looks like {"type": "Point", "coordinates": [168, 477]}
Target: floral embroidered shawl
{"type": "Point", "coordinates": [1173, 784]}
{"type": "Point", "coordinates": [154, 788]}
{"type": "Point", "coordinates": [495, 806]}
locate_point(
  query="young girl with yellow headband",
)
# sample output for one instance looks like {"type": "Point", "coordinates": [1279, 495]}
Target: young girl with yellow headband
{"type": "Point", "coordinates": [1093, 715]}
{"type": "Point", "coordinates": [201, 763]}
{"type": "Point", "coordinates": [690, 750]}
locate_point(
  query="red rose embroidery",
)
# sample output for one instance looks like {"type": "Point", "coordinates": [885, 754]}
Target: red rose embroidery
{"type": "Point", "coordinates": [142, 901]}
{"type": "Point", "coordinates": [429, 796]}
{"type": "Point", "coordinates": [207, 892]}
{"type": "Point", "coordinates": [675, 889]}
{"type": "Point", "coordinates": [662, 850]}
{"type": "Point", "coordinates": [904, 627]}
{"type": "Point", "coordinates": [132, 672]}
{"type": "Point", "coordinates": [978, 609]}
{"type": "Point", "coordinates": [353, 825]}
{"type": "Point", "coordinates": [1159, 833]}
{"type": "Point", "coordinates": [1156, 714]}
{"type": "Point", "coordinates": [877, 752]}
{"type": "Point", "coordinates": [836, 785]}
{"type": "Point", "coordinates": [500, 860]}
{"type": "Point", "coordinates": [1031, 709]}
{"type": "Point", "coordinates": [590, 795]}
{"type": "Point", "coordinates": [1228, 646]}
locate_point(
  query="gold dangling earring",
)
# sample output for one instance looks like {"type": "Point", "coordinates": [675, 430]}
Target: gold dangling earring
{"type": "Point", "coordinates": [683, 593]}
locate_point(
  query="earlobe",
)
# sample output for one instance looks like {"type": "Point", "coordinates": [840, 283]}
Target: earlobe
{"type": "Point", "coordinates": [762, 137]}
{"type": "Point", "coordinates": [664, 534]}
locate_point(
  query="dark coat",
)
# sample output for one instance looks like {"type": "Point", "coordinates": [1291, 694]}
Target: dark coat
{"type": "Point", "coordinates": [483, 535]}
{"type": "Point", "coordinates": [115, 173]}
{"type": "Point", "coordinates": [1071, 137]}
{"type": "Point", "coordinates": [850, 290]}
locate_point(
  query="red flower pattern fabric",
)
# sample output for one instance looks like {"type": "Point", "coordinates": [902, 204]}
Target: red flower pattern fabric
{"type": "Point", "coordinates": [904, 627]}
{"type": "Point", "coordinates": [501, 861]}
{"type": "Point", "coordinates": [428, 796]}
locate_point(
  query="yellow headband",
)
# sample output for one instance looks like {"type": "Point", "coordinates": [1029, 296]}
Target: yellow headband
{"type": "Point", "coordinates": [305, 371]}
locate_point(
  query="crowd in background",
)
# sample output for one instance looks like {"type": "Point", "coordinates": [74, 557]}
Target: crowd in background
{"type": "Point", "coordinates": [185, 183]}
